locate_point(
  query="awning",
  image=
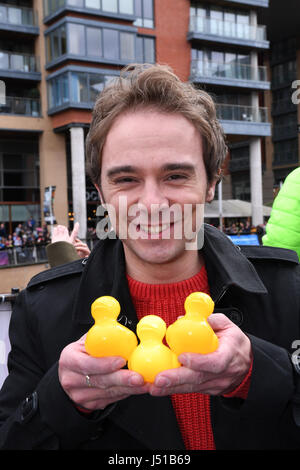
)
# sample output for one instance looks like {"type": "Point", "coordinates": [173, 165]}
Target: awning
{"type": "Point", "coordinates": [232, 208]}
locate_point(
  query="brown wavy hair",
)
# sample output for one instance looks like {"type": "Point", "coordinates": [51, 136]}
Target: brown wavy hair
{"type": "Point", "coordinates": [155, 86]}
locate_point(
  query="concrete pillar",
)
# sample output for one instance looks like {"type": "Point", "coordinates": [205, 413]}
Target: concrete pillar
{"type": "Point", "coordinates": [78, 179]}
{"type": "Point", "coordinates": [255, 147]}
{"type": "Point", "coordinates": [256, 181]}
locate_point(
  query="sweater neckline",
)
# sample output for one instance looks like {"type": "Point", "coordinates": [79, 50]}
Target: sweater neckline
{"type": "Point", "coordinates": [141, 290]}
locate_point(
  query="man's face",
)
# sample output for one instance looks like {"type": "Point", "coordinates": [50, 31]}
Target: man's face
{"type": "Point", "coordinates": [153, 162]}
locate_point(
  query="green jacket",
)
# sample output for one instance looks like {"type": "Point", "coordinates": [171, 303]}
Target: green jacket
{"type": "Point", "coordinates": [283, 227]}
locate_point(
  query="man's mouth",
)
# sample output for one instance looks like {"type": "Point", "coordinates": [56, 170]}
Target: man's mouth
{"type": "Point", "coordinates": [153, 229]}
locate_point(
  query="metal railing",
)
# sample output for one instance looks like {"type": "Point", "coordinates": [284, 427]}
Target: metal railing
{"type": "Point", "coordinates": [15, 15]}
{"type": "Point", "coordinates": [21, 106]}
{"type": "Point", "coordinates": [235, 112]}
{"type": "Point", "coordinates": [17, 61]}
{"type": "Point", "coordinates": [21, 255]}
{"type": "Point", "coordinates": [229, 29]}
{"type": "Point", "coordinates": [232, 70]}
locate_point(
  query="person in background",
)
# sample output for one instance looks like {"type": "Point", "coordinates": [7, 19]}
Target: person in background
{"type": "Point", "coordinates": [66, 247]}
{"type": "Point", "coordinates": [283, 227]}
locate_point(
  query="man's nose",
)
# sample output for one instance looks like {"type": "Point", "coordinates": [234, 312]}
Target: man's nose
{"type": "Point", "coordinates": [152, 197]}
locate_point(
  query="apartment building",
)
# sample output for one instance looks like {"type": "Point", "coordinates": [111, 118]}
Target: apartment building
{"type": "Point", "coordinates": [56, 56]}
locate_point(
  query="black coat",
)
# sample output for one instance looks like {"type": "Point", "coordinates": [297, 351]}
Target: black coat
{"type": "Point", "coordinates": [258, 288]}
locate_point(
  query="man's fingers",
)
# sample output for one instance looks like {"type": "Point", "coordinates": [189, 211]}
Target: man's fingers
{"type": "Point", "coordinates": [122, 379]}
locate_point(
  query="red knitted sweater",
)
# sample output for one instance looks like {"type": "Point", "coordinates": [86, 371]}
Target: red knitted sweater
{"type": "Point", "coordinates": [167, 300]}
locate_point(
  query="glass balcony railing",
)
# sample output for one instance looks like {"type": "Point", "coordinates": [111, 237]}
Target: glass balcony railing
{"type": "Point", "coordinates": [227, 29]}
{"type": "Point", "coordinates": [15, 15]}
{"type": "Point", "coordinates": [232, 70]}
{"type": "Point", "coordinates": [20, 62]}
{"type": "Point", "coordinates": [21, 106]}
{"type": "Point", "coordinates": [234, 112]}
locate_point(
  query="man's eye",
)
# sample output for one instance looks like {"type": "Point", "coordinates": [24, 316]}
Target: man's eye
{"type": "Point", "coordinates": [125, 179]}
{"type": "Point", "coordinates": [176, 177]}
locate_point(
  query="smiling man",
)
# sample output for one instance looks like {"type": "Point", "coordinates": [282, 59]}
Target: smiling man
{"type": "Point", "coordinates": [154, 152]}
{"type": "Point", "coordinates": [154, 161]}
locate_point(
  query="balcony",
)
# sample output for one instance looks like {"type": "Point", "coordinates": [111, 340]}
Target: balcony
{"type": "Point", "coordinates": [227, 32]}
{"type": "Point", "coordinates": [231, 74]}
{"type": "Point", "coordinates": [18, 19]}
{"type": "Point", "coordinates": [243, 120]}
{"type": "Point", "coordinates": [19, 65]}
{"type": "Point", "coordinates": [21, 106]}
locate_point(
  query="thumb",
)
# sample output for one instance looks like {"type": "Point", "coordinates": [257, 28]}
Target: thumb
{"type": "Point", "coordinates": [219, 321]}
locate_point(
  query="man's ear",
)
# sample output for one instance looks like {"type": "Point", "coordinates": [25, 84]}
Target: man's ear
{"type": "Point", "coordinates": [210, 193]}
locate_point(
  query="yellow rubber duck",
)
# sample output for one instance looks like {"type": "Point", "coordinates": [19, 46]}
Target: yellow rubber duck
{"type": "Point", "coordinates": [107, 337]}
{"type": "Point", "coordinates": [151, 356]}
{"type": "Point", "coordinates": [192, 332]}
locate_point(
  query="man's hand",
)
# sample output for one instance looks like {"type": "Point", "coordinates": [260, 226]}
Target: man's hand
{"type": "Point", "coordinates": [216, 373]}
{"type": "Point", "coordinates": [109, 382]}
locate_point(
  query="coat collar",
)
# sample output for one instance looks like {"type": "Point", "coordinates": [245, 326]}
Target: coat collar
{"type": "Point", "coordinates": [105, 274]}
{"type": "Point", "coordinates": [227, 266]}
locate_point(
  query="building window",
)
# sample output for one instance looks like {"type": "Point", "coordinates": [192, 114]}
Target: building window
{"type": "Point", "coordinates": [76, 39]}
{"type": "Point", "coordinates": [127, 47]}
{"type": "Point", "coordinates": [284, 73]}
{"type": "Point", "coordinates": [56, 44]}
{"type": "Point", "coordinates": [145, 49]}
{"type": "Point", "coordinates": [107, 43]}
{"type": "Point", "coordinates": [122, 7]}
{"type": "Point", "coordinates": [144, 13]}
{"type": "Point", "coordinates": [241, 186]}
{"type": "Point", "coordinates": [285, 152]}
{"type": "Point", "coordinates": [94, 4]}
{"type": "Point", "coordinates": [94, 42]}
{"type": "Point", "coordinates": [19, 171]}
{"type": "Point", "coordinates": [126, 6]}
{"type": "Point", "coordinates": [79, 88]}
{"type": "Point", "coordinates": [111, 44]}
{"type": "Point", "coordinates": [76, 88]}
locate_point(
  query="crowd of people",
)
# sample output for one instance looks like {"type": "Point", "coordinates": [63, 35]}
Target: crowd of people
{"type": "Point", "coordinates": [27, 243]}
{"type": "Point", "coordinates": [242, 228]}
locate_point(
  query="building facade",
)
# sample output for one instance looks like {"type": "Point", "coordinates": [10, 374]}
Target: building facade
{"type": "Point", "coordinates": [56, 56]}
